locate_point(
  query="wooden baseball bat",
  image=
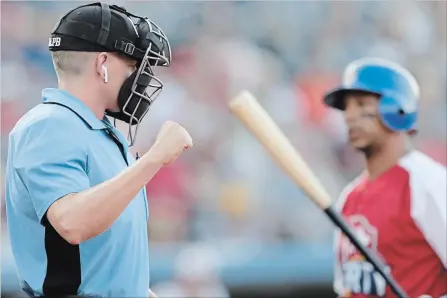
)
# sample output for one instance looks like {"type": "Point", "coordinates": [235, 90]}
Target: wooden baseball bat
{"type": "Point", "coordinates": [247, 109]}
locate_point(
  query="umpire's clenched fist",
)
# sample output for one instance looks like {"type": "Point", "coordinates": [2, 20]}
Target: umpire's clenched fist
{"type": "Point", "coordinates": [171, 141]}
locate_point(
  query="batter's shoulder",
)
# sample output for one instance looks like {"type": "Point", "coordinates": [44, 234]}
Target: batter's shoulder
{"type": "Point", "coordinates": [424, 172]}
{"type": "Point", "coordinates": [349, 188]}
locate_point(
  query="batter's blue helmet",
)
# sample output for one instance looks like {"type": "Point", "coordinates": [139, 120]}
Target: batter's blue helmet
{"type": "Point", "coordinates": [397, 88]}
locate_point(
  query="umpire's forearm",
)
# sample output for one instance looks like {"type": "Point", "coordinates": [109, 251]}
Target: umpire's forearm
{"type": "Point", "coordinates": [79, 217]}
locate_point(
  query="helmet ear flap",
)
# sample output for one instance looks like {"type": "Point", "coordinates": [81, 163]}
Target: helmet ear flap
{"type": "Point", "coordinates": [394, 116]}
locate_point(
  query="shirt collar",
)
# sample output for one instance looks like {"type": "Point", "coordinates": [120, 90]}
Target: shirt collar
{"type": "Point", "coordinates": [52, 95]}
{"type": "Point", "coordinates": [118, 134]}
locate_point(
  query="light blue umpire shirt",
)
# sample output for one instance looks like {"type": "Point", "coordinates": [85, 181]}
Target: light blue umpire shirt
{"type": "Point", "coordinates": [59, 148]}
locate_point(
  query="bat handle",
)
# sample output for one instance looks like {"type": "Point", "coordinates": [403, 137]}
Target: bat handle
{"type": "Point", "coordinates": [338, 220]}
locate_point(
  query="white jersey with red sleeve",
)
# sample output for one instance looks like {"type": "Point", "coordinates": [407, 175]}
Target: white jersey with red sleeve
{"type": "Point", "coordinates": [402, 216]}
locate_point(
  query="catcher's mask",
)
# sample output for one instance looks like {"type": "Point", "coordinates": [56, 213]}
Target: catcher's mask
{"type": "Point", "coordinates": [98, 27]}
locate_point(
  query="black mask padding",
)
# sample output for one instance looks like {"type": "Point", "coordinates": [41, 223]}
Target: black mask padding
{"type": "Point", "coordinates": [150, 39]}
{"type": "Point", "coordinates": [126, 90]}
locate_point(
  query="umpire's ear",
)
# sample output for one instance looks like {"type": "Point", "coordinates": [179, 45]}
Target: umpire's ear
{"type": "Point", "coordinates": [100, 61]}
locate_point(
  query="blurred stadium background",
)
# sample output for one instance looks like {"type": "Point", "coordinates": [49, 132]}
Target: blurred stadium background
{"type": "Point", "coordinates": [223, 217]}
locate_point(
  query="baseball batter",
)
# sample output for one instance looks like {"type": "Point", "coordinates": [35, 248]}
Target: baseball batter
{"type": "Point", "coordinates": [398, 204]}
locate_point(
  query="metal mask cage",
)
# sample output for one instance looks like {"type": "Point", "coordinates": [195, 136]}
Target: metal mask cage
{"type": "Point", "coordinates": [155, 86]}
{"type": "Point", "coordinates": [158, 58]}
{"type": "Point", "coordinates": [158, 53]}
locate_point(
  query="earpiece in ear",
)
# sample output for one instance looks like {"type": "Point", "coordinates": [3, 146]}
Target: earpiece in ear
{"type": "Point", "coordinates": [106, 76]}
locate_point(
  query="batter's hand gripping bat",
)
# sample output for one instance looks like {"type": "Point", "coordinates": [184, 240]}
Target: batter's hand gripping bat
{"type": "Point", "coordinates": [247, 109]}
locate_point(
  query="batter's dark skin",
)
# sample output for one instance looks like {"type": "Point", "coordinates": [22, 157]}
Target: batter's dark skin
{"type": "Point", "coordinates": [381, 146]}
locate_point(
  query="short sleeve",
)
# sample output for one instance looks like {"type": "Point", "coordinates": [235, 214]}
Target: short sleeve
{"type": "Point", "coordinates": [428, 193]}
{"type": "Point", "coordinates": [51, 161]}
{"type": "Point", "coordinates": [429, 210]}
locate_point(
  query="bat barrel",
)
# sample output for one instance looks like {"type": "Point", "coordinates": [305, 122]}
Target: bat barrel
{"type": "Point", "coordinates": [262, 126]}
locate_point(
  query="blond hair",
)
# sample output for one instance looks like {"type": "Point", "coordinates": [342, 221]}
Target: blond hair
{"type": "Point", "coordinates": [70, 62]}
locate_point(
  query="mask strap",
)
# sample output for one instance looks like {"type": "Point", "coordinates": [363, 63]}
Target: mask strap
{"type": "Point", "coordinates": [106, 16]}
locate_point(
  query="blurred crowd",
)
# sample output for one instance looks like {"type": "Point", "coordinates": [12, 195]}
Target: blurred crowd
{"type": "Point", "coordinates": [288, 54]}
